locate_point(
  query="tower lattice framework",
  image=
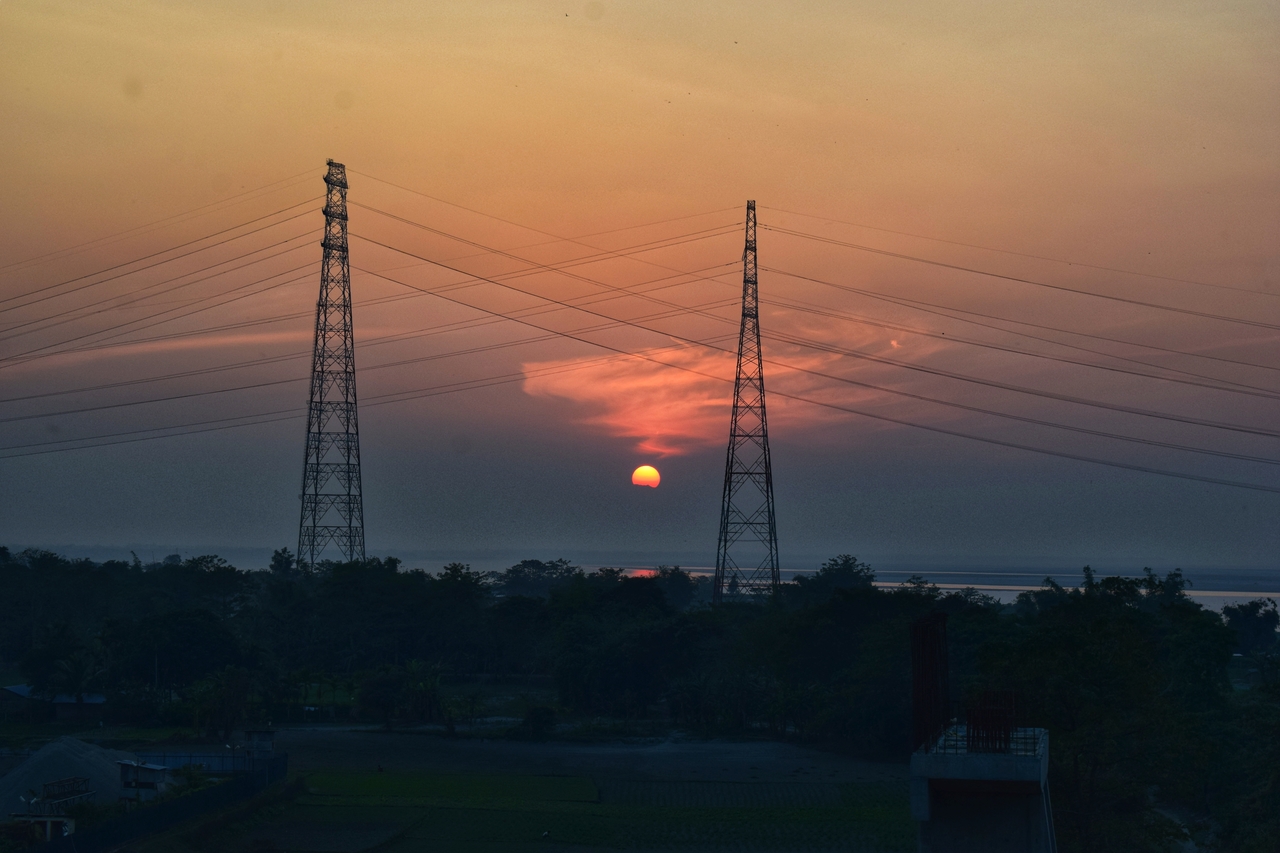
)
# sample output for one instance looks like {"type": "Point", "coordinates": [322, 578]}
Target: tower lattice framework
{"type": "Point", "coordinates": [747, 551]}
{"type": "Point", "coordinates": [332, 505]}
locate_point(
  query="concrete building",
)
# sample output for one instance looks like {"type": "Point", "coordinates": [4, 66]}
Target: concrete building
{"type": "Point", "coordinates": [979, 789]}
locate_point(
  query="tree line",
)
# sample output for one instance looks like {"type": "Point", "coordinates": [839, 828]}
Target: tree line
{"type": "Point", "coordinates": [1163, 715]}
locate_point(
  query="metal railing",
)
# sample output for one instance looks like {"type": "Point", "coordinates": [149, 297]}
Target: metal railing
{"type": "Point", "coordinates": [959, 739]}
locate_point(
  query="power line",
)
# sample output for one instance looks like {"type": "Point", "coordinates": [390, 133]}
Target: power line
{"type": "Point", "coordinates": [22, 358]}
{"type": "Point", "coordinates": [1059, 287]}
{"type": "Point", "coordinates": [1032, 337]}
{"type": "Point", "coordinates": [598, 327]}
{"type": "Point", "coordinates": [529, 227]}
{"type": "Point", "coordinates": [885, 418]}
{"type": "Point", "coordinates": [6, 269]}
{"type": "Point", "coordinates": [282, 358]}
{"type": "Point", "coordinates": [157, 254]}
{"type": "Point", "coordinates": [1213, 384]}
{"type": "Point", "coordinates": [925, 307]}
{"type": "Point", "coordinates": [72, 314]}
{"type": "Point", "coordinates": [956, 433]}
{"type": "Point", "coordinates": [516, 274]}
{"type": "Point", "coordinates": [1217, 383]}
{"type": "Point", "coordinates": [961, 377]}
{"type": "Point", "coordinates": [1069, 263]}
{"type": "Point", "coordinates": [294, 413]}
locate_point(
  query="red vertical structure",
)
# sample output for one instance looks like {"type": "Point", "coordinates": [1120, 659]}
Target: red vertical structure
{"type": "Point", "coordinates": [747, 549]}
{"type": "Point", "coordinates": [332, 503]}
{"type": "Point", "coordinates": [930, 682]}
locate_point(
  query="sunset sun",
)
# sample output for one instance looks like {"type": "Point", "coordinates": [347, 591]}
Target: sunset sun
{"type": "Point", "coordinates": [646, 475]}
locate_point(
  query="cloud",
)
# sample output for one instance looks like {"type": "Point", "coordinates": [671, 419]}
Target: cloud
{"type": "Point", "coordinates": [680, 401]}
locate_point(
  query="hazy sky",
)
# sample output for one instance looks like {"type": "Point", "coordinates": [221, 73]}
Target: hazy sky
{"type": "Point", "coordinates": [1138, 137]}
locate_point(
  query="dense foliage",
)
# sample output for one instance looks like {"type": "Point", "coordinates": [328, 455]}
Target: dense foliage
{"type": "Point", "coordinates": [1155, 727]}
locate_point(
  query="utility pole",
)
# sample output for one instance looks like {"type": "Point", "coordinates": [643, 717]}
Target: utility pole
{"type": "Point", "coordinates": [747, 551]}
{"type": "Point", "coordinates": [332, 505]}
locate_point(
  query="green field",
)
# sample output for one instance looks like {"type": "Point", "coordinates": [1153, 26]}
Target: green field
{"type": "Point", "coordinates": [403, 812]}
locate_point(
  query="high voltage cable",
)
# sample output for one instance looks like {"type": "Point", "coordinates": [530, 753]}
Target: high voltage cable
{"type": "Point", "coordinates": [598, 327]}
{"type": "Point", "coordinates": [1214, 384]}
{"type": "Point", "coordinates": [936, 309]}
{"type": "Point", "coordinates": [1168, 445]}
{"type": "Point", "coordinates": [394, 338]}
{"type": "Point", "coordinates": [886, 418]}
{"type": "Point", "coordinates": [67, 251]}
{"type": "Point", "coordinates": [23, 358]}
{"type": "Point", "coordinates": [1049, 395]}
{"type": "Point", "coordinates": [940, 430]}
{"type": "Point", "coordinates": [518, 273]}
{"type": "Point", "coordinates": [1099, 433]}
{"type": "Point", "coordinates": [828, 376]}
{"type": "Point", "coordinates": [257, 385]}
{"type": "Point", "coordinates": [156, 254]}
{"type": "Point", "coordinates": [78, 313]}
{"type": "Point", "coordinates": [798, 398]}
{"type": "Point", "coordinates": [364, 344]}
{"type": "Point", "coordinates": [600, 254]}
{"type": "Point", "coordinates": [1024, 254]}
{"type": "Point", "coordinates": [291, 414]}
{"type": "Point", "coordinates": [844, 408]}
{"type": "Point", "coordinates": [529, 227]}
{"type": "Point", "coordinates": [275, 359]}
{"type": "Point", "coordinates": [1059, 287]}
{"type": "Point", "coordinates": [1219, 384]}
{"type": "Point", "coordinates": [918, 368]}
{"type": "Point", "coordinates": [1033, 325]}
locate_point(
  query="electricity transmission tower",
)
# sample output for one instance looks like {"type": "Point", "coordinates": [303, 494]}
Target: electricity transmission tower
{"type": "Point", "coordinates": [332, 506]}
{"type": "Point", "coordinates": [747, 551]}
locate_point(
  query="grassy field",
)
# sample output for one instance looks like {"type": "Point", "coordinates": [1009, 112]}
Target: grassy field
{"type": "Point", "coordinates": [404, 812]}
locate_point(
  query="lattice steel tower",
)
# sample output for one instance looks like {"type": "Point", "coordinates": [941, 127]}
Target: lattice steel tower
{"type": "Point", "coordinates": [747, 552]}
{"type": "Point", "coordinates": [332, 506]}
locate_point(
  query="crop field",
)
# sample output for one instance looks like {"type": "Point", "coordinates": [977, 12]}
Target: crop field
{"type": "Point", "coordinates": [496, 813]}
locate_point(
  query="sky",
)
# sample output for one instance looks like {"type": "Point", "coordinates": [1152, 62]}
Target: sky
{"type": "Point", "coordinates": [941, 188]}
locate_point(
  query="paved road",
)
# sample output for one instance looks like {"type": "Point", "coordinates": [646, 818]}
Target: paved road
{"type": "Point", "coordinates": [673, 760]}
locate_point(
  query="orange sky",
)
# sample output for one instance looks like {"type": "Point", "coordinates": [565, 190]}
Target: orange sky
{"type": "Point", "coordinates": [1140, 136]}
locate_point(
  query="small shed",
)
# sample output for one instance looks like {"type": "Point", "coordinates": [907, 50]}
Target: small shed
{"type": "Point", "coordinates": [261, 743]}
{"type": "Point", "coordinates": [141, 782]}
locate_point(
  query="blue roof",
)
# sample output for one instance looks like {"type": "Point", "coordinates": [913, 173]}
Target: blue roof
{"type": "Point", "coordinates": [25, 691]}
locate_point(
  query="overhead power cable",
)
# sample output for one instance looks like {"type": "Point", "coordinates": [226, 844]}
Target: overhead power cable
{"type": "Point", "coordinates": [224, 203]}
{"type": "Point", "coordinates": [1259, 324]}
{"type": "Point", "coordinates": [1064, 261]}
{"type": "Point", "coordinates": [947, 374]}
{"type": "Point", "coordinates": [515, 274]}
{"type": "Point", "coordinates": [914, 302]}
{"type": "Point", "coordinates": [938, 310]}
{"type": "Point", "coordinates": [955, 433]}
{"type": "Point", "coordinates": [120, 266]}
{"type": "Point", "coordinates": [1097, 433]}
{"type": "Point", "coordinates": [875, 416]}
{"type": "Point", "coordinates": [529, 227]}
{"type": "Point", "coordinates": [1212, 383]}
{"type": "Point", "coordinates": [297, 413]}
{"type": "Point", "coordinates": [365, 344]}
{"type": "Point", "coordinates": [79, 312]}
{"type": "Point", "coordinates": [276, 359]}
{"type": "Point", "coordinates": [121, 329]}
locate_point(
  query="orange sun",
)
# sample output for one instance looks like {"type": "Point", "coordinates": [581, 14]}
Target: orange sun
{"type": "Point", "coordinates": [646, 475]}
